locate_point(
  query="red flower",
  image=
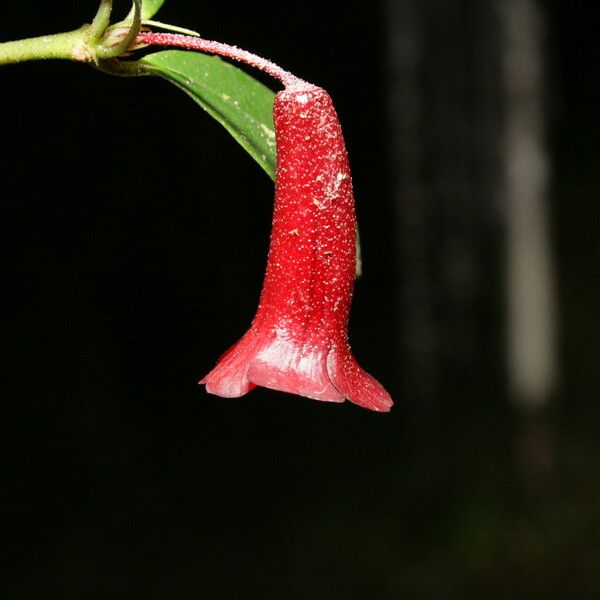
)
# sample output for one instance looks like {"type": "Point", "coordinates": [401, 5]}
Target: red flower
{"type": "Point", "coordinates": [298, 341]}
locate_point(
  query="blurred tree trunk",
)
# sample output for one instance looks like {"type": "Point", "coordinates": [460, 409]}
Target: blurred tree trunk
{"type": "Point", "coordinates": [531, 316]}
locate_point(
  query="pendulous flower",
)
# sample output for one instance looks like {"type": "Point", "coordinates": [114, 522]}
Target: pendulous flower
{"type": "Point", "coordinates": [298, 340]}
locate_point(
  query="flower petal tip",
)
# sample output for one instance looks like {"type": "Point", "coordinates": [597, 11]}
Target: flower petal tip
{"type": "Point", "coordinates": [226, 387]}
{"type": "Point", "coordinates": [356, 384]}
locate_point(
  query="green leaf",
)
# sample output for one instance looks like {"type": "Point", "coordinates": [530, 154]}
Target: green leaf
{"type": "Point", "coordinates": [150, 8]}
{"type": "Point", "coordinates": [243, 105]}
{"type": "Point", "coordinates": [171, 28]}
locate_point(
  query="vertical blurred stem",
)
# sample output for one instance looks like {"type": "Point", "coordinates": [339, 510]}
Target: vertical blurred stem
{"type": "Point", "coordinates": [532, 323]}
{"type": "Point", "coordinates": [531, 305]}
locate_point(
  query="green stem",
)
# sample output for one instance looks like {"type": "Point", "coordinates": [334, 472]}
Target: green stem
{"type": "Point", "coordinates": [104, 52]}
{"type": "Point", "coordinates": [101, 22]}
{"type": "Point", "coordinates": [86, 44]}
{"type": "Point", "coordinates": [71, 45]}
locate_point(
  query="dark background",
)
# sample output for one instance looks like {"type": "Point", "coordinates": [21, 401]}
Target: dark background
{"type": "Point", "coordinates": [134, 235]}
